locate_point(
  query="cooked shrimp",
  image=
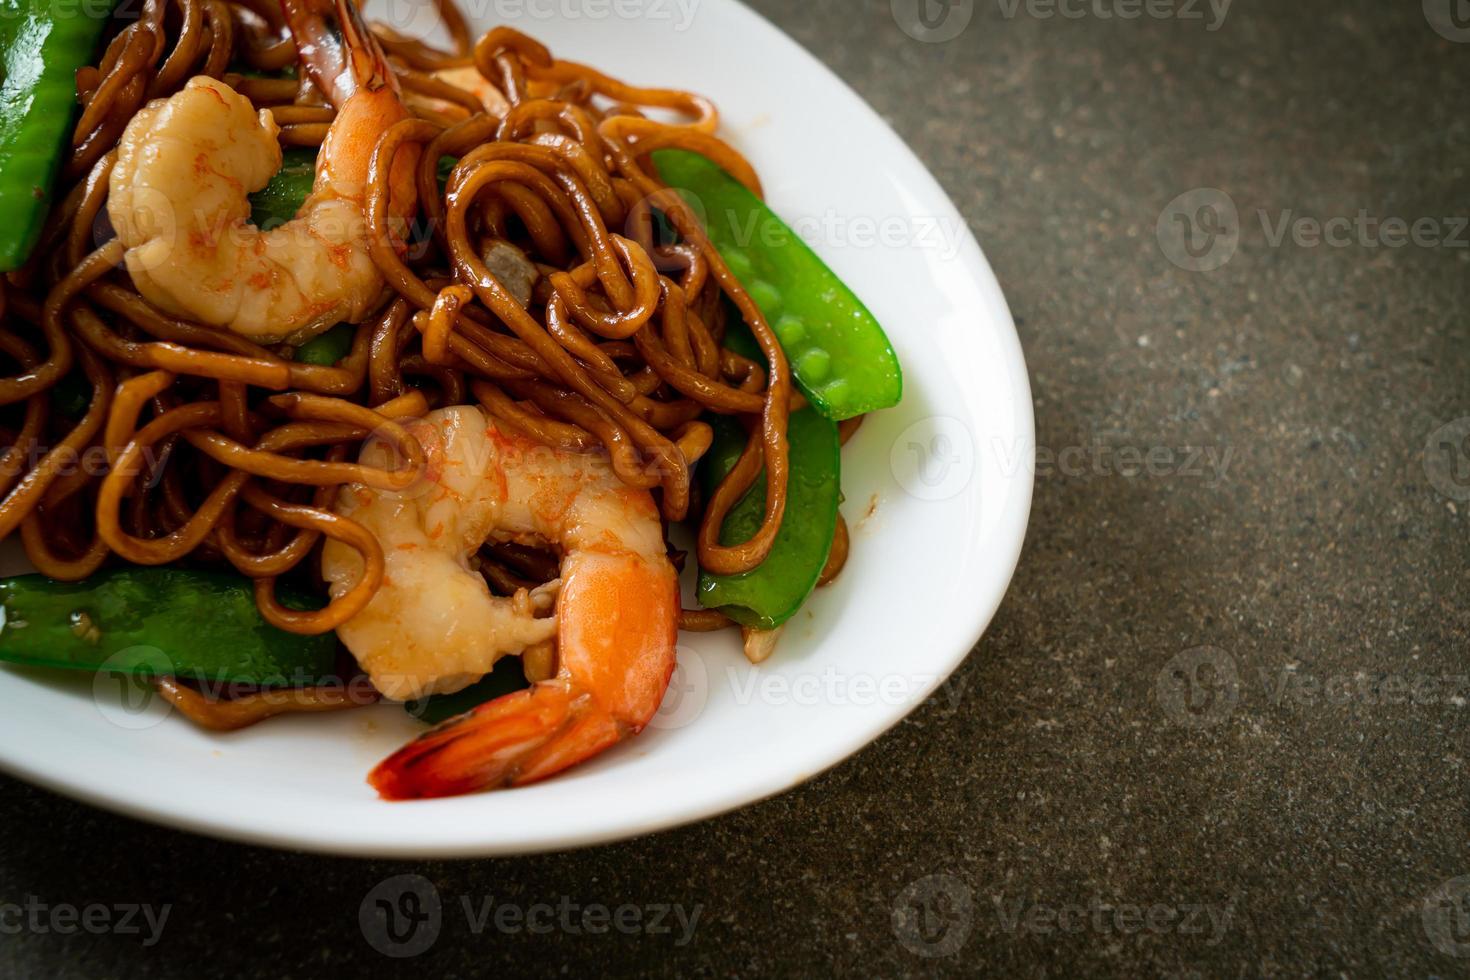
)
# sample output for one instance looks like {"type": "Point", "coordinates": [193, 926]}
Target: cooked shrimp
{"type": "Point", "coordinates": [434, 627]}
{"type": "Point", "coordinates": [185, 165]}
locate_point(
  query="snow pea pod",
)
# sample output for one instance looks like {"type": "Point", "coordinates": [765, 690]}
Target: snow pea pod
{"type": "Point", "coordinates": [506, 678]}
{"type": "Point", "coordinates": [328, 348]}
{"type": "Point", "coordinates": [45, 42]}
{"type": "Point", "coordinates": [278, 201]}
{"type": "Point", "coordinates": [771, 593]}
{"type": "Point", "coordinates": [151, 621]}
{"type": "Point", "coordinates": [839, 354]}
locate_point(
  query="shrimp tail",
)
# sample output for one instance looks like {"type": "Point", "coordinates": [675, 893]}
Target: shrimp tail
{"type": "Point", "coordinates": [513, 740]}
{"type": "Point", "coordinates": [618, 622]}
{"type": "Point", "coordinates": [339, 51]}
{"type": "Point", "coordinates": [345, 62]}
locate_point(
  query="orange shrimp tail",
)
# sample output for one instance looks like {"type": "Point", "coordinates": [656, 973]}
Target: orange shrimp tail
{"type": "Point", "coordinates": [618, 623]}
{"type": "Point", "coordinates": [512, 740]}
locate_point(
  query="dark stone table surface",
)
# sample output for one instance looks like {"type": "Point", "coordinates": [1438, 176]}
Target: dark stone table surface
{"type": "Point", "coordinates": [1219, 726]}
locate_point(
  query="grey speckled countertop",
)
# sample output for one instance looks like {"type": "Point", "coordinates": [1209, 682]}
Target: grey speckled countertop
{"type": "Point", "coordinates": [1219, 725]}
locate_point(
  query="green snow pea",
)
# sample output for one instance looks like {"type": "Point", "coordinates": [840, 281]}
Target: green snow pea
{"type": "Point", "coordinates": [278, 201]}
{"type": "Point", "coordinates": [507, 678]}
{"type": "Point", "coordinates": [45, 42]}
{"type": "Point", "coordinates": [72, 395]}
{"type": "Point", "coordinates": [771, 593]}
{"type": "Point", "coordinates": [193, 624]}
{"type": "Point", "coordinates": [839, 355]}
{"type": "Point", "coordinates": [328, 348]}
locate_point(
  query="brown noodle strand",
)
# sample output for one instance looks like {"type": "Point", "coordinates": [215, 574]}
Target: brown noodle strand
{"type": "Point", "coordinates": [32, 487]}
{"type": "Point", "coordinates": [442, 318]}
{"type": "Point", "coordinates": [340, 609]}
{"type": "Point", "coordinates": [704, 620]}
{"type": "Point", "coordinates": [232, 714]}
{"type": "Point", "coordinates": [837, 558]}
{"type": "Point", "coordinates": [558, 435]}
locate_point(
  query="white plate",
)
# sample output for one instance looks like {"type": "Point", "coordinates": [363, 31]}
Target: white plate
{"type": "Point", "coordinates": [946, 477]}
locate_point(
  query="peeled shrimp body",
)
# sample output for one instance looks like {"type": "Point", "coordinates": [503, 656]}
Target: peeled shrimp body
{"type": "Point", "coordinates": [434, 627]}
{"type": "Point", "coordinates": [178, 197]}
